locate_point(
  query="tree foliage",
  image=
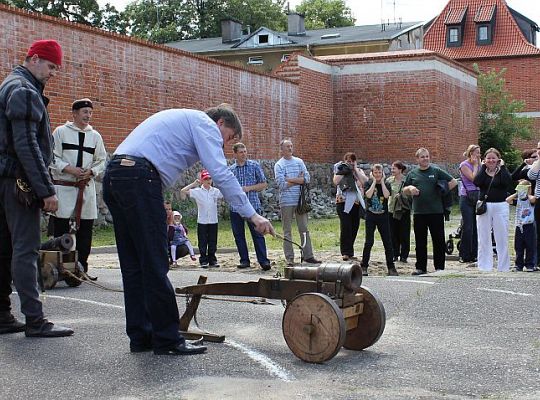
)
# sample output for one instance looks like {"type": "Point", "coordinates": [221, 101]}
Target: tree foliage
{"type": "Point", "coordinates": [81, 11]}
{"type": "Point", "coordinates": [321, 14]}
{"type": "Point", "coordinates": [499, 125]}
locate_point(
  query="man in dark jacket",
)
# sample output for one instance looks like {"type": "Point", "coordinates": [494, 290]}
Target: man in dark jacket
{"type": "Point", "coordinates": [25, 153]}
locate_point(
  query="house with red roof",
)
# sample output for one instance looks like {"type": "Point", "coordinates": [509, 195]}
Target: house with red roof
{"type": "Point", "coordinates": [494, 36]}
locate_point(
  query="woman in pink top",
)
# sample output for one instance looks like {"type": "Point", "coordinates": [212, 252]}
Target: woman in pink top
{"type": "Point", "coordinates": [468, 195]}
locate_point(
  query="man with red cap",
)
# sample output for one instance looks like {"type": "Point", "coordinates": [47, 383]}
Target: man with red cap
{"type": "Point", "coordinates": [25, 154]}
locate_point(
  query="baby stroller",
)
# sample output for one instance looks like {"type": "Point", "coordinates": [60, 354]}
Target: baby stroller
{"type": "Point", "coordinates": [449, 245]}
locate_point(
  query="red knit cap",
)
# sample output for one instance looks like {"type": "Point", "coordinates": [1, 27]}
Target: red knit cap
{"type": "Point", "coordinates": [49, 50]}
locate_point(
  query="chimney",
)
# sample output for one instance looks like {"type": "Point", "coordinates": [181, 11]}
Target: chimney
{"type": "Point", "coordinates": [295, 24]}
{"type": "Point", "coordinates": [231, 30]}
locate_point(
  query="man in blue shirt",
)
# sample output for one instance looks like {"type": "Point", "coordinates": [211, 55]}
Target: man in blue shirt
{"type": "Point", "coordinates": [251, 177]}
{"type": "Point", "coordinates": [151, 158]}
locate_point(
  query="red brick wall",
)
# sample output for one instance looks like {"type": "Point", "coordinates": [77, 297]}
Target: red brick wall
{"type": "Point", "coordinates": [522, 82]}
{"type": "Point", "coordinates": [387, 116]}
{"type": "Point", "coordinates": [130, 80]}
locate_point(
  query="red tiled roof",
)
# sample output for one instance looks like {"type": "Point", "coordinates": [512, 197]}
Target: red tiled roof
{"type": "Point", "coordinates": [455, 16]}
{"type": "Point", "coordinates": [508, 40]}
{"type": "Point", "coordinates": [485, 13]}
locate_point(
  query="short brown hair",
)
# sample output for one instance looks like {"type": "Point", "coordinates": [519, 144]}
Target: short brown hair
{"type": "Point", "coordinates": [350, 155]}
{"type": "Point", "coordinates": [399, 165]}
{"type": "Point", "coordinates": [230, 118]}
{"type": "Point", "coordinates": [420, 151]}
{"type": "Point", "coordinates": [527, 153]}
{"type": "Point", "coordinates": [237, 146]}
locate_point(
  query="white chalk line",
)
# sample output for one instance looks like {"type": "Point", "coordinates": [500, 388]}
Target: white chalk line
{"type": "Point", "coordinates": [411, 281]}
{"type": "Point", "coordinates": [256, 356]}
{"type": "Point", "coordinates": [265, 361]}
{"type": "Point", "coordinates": [506, 292]}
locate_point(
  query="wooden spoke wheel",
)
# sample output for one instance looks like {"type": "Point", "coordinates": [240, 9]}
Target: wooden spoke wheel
{"type": "Point", "coordinates": [49, 273]}
{"type": "Point", "coordinates": [313, 327]}
{"type": "Point", "coordinates": [371, 323]}
{"type": "Point", "coordinates": [78, 272]}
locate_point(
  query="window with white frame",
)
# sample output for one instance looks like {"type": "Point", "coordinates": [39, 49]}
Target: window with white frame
{"type": "Point", "coordinates": [255, 60]}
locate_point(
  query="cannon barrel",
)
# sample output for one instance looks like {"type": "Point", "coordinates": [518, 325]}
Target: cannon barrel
{"type": "Point", "coordinates": [61, 243]}
{"type": "Point", "coordinates": [350, 275]}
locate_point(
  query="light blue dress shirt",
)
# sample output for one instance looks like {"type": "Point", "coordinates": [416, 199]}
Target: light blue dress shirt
{"type": "Point", "coordinates": [173, 140]}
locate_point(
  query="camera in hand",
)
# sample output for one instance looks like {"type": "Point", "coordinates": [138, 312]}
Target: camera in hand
{"type": "Point", "coordinates": [344, 169]}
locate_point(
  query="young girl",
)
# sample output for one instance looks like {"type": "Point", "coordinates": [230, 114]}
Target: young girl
{"type": "Point", "coordinates": [525, 238]}
{"type": "Point", "coordinates": [178, 237]}
{"type": "Point", "coordinates": [377, 192]}
{"type": "Point", "coordinates": [206, 196]}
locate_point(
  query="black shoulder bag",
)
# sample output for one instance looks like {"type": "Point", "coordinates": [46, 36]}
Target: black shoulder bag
{"type": "Point", "coordinates": [481, 205]}
{"type": "Point", "coordinates": [304, 202]}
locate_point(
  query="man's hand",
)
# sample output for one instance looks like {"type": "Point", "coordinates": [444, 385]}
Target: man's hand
{"type": "Point", "coordinates": [75, 171]}
{"type": "Point", "coordinates": [262, 225]}
{"type": "Point", "coordinates": [87, 174]}
{"type": "Point", "coordinates": [50, 204]}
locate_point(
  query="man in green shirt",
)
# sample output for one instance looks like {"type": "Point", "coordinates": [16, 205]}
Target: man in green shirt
{"type": "Point", "coordinates": [427, 208]}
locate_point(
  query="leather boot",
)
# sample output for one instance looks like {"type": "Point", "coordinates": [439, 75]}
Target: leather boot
{"type": "Point", "coordinates": [46, 329]}
{"type": "Point", "coordinates": [10, 324]}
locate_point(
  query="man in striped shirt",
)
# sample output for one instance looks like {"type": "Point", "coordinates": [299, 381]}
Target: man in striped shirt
{"type": "Point", "coordinates": [290, 173]}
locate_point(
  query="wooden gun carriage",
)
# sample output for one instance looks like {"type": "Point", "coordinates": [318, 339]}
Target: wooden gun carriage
{"type": "Point", "coordinates": [327, 308]}
{"type": "Point", "coordinates": [57, 262]}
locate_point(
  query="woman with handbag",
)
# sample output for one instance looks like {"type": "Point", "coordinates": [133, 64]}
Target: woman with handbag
{"type": "Point", "coordinates": [399, 207]}
{"type": "Point", "coordinates": [494, 180]}
{"type": "Point", "coordinates": [468, 196]}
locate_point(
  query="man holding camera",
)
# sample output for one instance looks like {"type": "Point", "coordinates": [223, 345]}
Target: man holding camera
{"type": "Point", "coordinates": [349, 202]}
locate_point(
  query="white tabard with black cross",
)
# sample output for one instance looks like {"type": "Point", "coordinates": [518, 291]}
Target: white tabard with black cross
{"type": "Point", "coordinates": [79, 148]}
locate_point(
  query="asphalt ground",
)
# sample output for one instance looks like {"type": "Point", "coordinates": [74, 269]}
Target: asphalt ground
{"type": "Point", "coordinates": [455, 335]}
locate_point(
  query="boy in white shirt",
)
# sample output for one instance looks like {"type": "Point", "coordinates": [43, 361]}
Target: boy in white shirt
{"type": "Point", "coordinates": [206, 196]}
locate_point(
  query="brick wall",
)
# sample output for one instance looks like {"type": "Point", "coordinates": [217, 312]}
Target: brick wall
{"type": "Point", "coordinates": [130, 79]}
{"type": "Point", "coordinates": [403, 104]}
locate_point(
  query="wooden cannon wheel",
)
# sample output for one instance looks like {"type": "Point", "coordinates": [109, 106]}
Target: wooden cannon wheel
{"type": "Point", "coordinates": [313, 327]}
{"type": "Point", "coordinates": [371, 323]}
{"type": "Point", "coordinates": [49, 273]}
{"type": "Point", "coordinates": [78, 271]}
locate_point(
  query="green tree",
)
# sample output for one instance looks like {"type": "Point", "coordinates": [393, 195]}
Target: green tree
{"type": "Point", "coordinates": [81, 11]}
{"type": "Point", "coordinates": [112, 20]}
{"type": "Point", "coordinates": [499, 125]}
{"type": "Point", "coordinates": [321, 14]}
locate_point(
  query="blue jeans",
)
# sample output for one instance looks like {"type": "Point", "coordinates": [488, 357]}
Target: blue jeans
{"type": "Point", "coordinates": [468, 246]}
{"type": "Point", "coordinates": [135, 200]}
{"type": "Point", "coordinates": [239, 232]}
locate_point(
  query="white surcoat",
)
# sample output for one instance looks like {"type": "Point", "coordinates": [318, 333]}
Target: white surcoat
{"type": "Point", "coordinates": [79, 148]}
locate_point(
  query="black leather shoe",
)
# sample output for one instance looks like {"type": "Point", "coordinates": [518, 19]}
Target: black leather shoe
{"type": "Point", "coordinates": [243, 266]}
{"type": "Point", "coordinates": [10, 324]}
{"type": "Point", "coordinates": [266, 267]}
{"type": "Point", "coordinates": [418, 272]}
{"type": "Point", "coordinates": [46, 329]}
{"type": "Point", "coordinates": [364, 271]}
{"type": "Point", "coordinates": [312, 260]}
{"type": "Point", "coordinates": [183, 349]}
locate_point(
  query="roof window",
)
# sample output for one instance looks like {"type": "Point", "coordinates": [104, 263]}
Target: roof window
{"type": "Point", "coordinates": [485, 23]}
{"type": "Point", "coordinates": [455, 23]}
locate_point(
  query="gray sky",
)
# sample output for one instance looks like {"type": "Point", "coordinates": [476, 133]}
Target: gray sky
{"type": "Point", "coordinates": [369, 12]}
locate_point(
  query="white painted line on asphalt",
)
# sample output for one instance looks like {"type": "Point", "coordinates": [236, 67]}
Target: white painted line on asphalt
{"type": "Point", "coordinates": [505, 292]}
{"type": "Point", "coordinates": [265, 361]}
{"type": "Point", "coordinates": [411, 281]}
{"type": "Point", "coordinates": [260, 358]}
{"type": "Point", "coordinates": [98, 303]}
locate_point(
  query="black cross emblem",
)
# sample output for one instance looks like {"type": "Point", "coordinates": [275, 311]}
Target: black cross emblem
{"type": "Point", "coordinates": [80, 148]}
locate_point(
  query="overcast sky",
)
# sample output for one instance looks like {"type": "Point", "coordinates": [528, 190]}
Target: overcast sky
{"type": "Point", "coordinates": [369, 12]}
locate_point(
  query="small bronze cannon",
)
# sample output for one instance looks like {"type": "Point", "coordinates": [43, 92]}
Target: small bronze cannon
{"type": "Point", "coordinates": [327, 308]}
{"type": "Point", "coordinates": [57, 262]}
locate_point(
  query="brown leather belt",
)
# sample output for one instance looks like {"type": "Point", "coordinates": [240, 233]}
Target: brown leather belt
{"type": "Point", "coordinates": [79, 203]}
